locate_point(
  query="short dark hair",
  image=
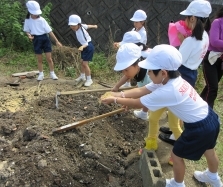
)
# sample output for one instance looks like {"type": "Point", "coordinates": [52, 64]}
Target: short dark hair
{"type": "Point", "coordinates": [171, 74]}
{"type": "Point", "coordinates": [144, 47]}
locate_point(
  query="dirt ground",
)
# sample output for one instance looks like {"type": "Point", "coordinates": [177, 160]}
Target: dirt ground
{"type": "Point", "coordinates": [102, 153]}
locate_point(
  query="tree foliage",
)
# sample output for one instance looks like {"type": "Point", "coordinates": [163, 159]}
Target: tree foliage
{"type": "Point", "coordinates": [12, 18]}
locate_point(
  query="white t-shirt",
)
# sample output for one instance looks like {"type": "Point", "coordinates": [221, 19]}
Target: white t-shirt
{"type": "Point", "coordinates": [81, 36]}
{"type": "Point", "coordinates": [36, 26]}
{"type": "Point", "coordinates": [179, 97]}
{"type": "Point", "coordinates": [193, 51]}
{"type": "Point", "coordinates": [143, 35]}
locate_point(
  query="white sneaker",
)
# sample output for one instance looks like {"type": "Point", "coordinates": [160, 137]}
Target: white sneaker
{"type": "Point", "coordinates": [202, 176]}
{"type": "Point", "coordinates": [80, 79]}
{"type": "Point", "coordinates": [126, 85]}
{"type": "Point", "coordinates": [40, 77]}
{"type": "Point", "coordinates": [53, 76]}
{"type": "Point", "coordinates": [88, 82]}
{"type": "Point", "coordinates": [171, 183]}
{"type": "Point", "coordinates": [140, 114]}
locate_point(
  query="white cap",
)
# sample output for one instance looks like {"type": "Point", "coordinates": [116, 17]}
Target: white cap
{"type": "Point", "coordinates": [139, 15]}
{"type": "Point", "coordinates": [131, 37]}
{"type": "Point", "coordinates": [33, 8]}
{"type": "Point", "coordinates": [199, 8]}
{"type": "Point", "coordinates": [164, 57]}
{"type": "Point", "coordinates": [74, 20]}
{"type": "Point", "coordinates": [127, 55]}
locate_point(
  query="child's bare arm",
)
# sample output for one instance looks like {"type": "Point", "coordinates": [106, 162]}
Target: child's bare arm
{"type": "Point", "coordinates": [92, 26]}
{"type": "Point", "coordinates": [81, 48]}
{"type": "Point", "coordinates": [55, 39]}
{"type": "Point", "coordinates": [29, 35]}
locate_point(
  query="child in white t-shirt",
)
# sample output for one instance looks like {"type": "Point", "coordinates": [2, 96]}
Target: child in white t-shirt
{"type": "Point", "coordinates": [193, 47]}
{"type": "Point", "coordinates": [86, 48]}
{"type": "Point", "coordinates": [201, 123]}
{"type": "Point", "coordinates": [135, 38]}
{"type": "Point", "coordinates": [139, 21]}
{"type": "Point", "coordinates": [37, 28]}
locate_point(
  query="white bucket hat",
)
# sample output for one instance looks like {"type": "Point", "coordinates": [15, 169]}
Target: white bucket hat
{"type": "Point", "coordinates": [74, 20]}
{"type": "Point", "coordinates": [199, 8]}
{"type": "Point", "coordinates": [164, 57]}
{"type": "Point", "coordinates": [131, 37]}
{"type": "Point", "coordinates": [139, 15]}
{"type": "Point", "coordinates": [33, 8]}
{"type": "Point", "coordinates": [127, 55]}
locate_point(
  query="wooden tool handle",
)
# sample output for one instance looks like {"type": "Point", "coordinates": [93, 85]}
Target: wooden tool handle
{"type": "Point", "coordinates": [80, 123]}
{"type": "Point", "coordinates": [90, 91]}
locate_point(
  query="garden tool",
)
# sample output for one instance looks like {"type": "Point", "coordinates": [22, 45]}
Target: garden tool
{"type": "Point", "coordinates": [82, 122]}
{"type": "Point", "coordinates": [85, 91]}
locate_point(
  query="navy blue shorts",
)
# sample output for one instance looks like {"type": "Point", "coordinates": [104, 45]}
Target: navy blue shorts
{"type": "Point", "coordinates": [42, 44]}
{"type": "Point", "coordinates": [189, 75]}
{"type": "Point", "coordinates": [198, 137]}
{"type": "Point", "coordinates": [87, 53]}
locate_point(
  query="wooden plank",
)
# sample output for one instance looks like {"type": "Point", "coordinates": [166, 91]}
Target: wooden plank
{"type": "Point", "coordinates": [24, 73]}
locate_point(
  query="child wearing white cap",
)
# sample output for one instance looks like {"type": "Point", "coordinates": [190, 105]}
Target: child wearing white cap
{"type": "Point", "coordinates": [193, 48]}
{"type": "Point", "coordinates": [132, 53]}
{"type": "Point", "coordinates": [86, 48]}
{"type": "Point", "coordinates": [139, 21]}
{"type": "Point", "coordinates": [126, 57]}
{"type": "Point", "coordinates": [169, 89]}
{"type": "Point", "coordinates": [37, 28]}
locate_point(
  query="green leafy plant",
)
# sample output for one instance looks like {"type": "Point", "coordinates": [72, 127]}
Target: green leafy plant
{"type": "Point", "coordinates": [70, 72]}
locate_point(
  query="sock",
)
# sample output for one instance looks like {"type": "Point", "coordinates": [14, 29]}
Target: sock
{"type": "Point", "coordinates": [89, 77]}
{"type": "Point", "coordinates": [144, 113]}
{"type": "Point", "coordinates": [212, 176]}
{"type": "Point", "coordinates": [82, 74]}
{"type": "Point", "coordinates": [127, 84]}
{"type": "Point", "coordinates": [178, 184]}
{"type": "Point", "coordinates": [52, 72]}
{"type": "Point", "coordinates": [40, 73]}
{"type": "Point", "coordinates": [172, 137]}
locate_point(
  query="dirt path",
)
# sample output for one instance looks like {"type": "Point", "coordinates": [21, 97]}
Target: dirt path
{"type": "Point", "coordinates": [102, 153]}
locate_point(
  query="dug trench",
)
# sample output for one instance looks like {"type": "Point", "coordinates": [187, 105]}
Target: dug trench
{"type": "Point", "coordinates": [101, 153]}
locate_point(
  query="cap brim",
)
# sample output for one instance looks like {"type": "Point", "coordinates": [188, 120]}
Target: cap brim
{"type": "Point", "coordinates": [72, 23]}
{"type": "Point", "coordinates": [136, 20]}
{"type": "Point", "coordinates": [185, 13]}
{"type": "Point", "coordinates": [38, 12]}
{"type": "Point", "coordinates": [148, 65]}
{"type": "Point", "coordinates": [121, 66]}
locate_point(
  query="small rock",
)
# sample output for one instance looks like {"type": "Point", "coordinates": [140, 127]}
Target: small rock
{"type": "Point", "coordinates": [29, 134]}
{"type": "Point", "coordinates": [42, 163]}
{"type": "Point", "coordinates": [90, 154]}
{"type": "Point", "coordinates": [7, 129]}
{"type": "Point", "coordinates": [121, 171]}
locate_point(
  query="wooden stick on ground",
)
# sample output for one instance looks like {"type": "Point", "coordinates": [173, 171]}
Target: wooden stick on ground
{"type": "Point", "coordinates": [80, 123]}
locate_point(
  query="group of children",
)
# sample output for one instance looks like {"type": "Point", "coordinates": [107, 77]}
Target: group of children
{"type": "Point", "coordinates": [173, 74]}
{"type": "Point", "coordinates": [165, 77]}
{"type": "Point", "coordinates": [37, 30]}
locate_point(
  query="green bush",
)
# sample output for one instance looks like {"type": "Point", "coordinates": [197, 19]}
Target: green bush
{"type": "Point", "coordinates": [11, 25]}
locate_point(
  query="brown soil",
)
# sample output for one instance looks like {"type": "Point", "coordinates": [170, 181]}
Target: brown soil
{"type": "Point", "coordinates": [101, 153]}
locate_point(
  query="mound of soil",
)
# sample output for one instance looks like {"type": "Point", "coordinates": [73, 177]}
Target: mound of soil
{"type": "Point", "coordinates": [100, 153]}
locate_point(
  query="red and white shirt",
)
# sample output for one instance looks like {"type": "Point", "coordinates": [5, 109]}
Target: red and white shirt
{"type": "Point", "coordinates": [193, 51]}
{"type": "Point", "coordinates": [179, 97]}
